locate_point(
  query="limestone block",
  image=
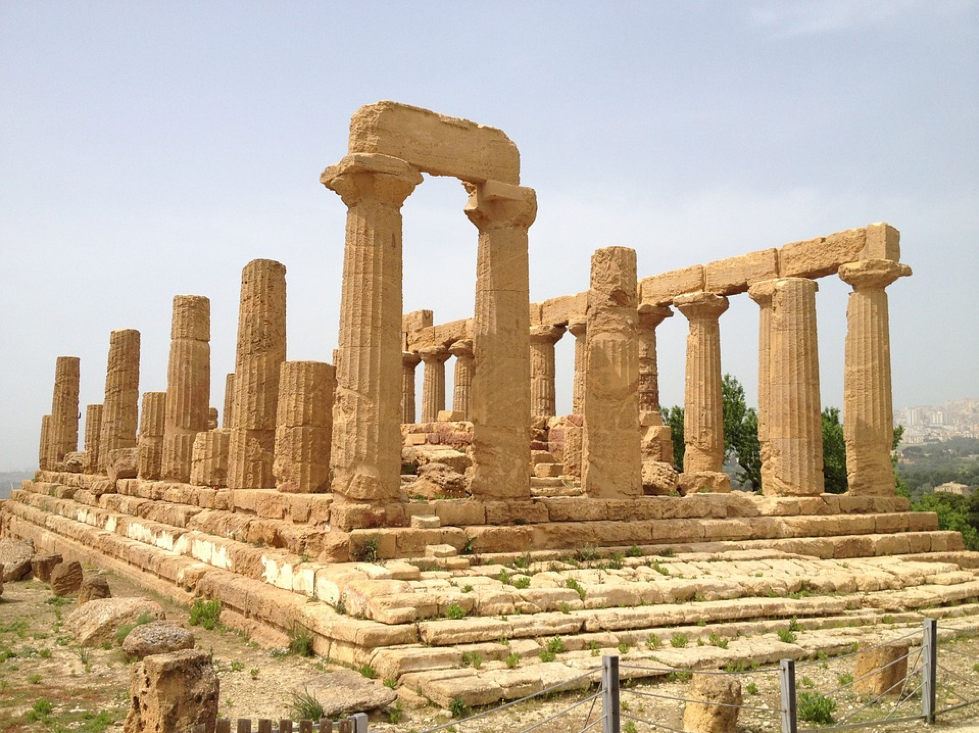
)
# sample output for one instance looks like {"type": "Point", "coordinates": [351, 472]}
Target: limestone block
{"type": "Point", "coordinates": [698, 482]}
{"type": "Point", "coordinates": [74, 462]}
{"type": "Point", "coordinates": [735, 274]}
{"type": "Point", "coordinates": [122, 463]}
{"type": "Point", "coordinates": [890, 666]}
{"type": "Point", "coordinates": [573, 438]}
{"type": "Point", "coordinates": [42, 565]}
{"type": "Point", "coordinates": [209, 462]}
{"type": "Point", "coordinates": [658, 478]}
{"type": "Point", "coordinates": [157, 637]}
{"type": "Point", "coordinates": [548, 470]}
{"type": "Point", "coordinates": [302, 459]}
{"type": "Point", "coordinates": [883, 242]}
{"type": "Point", "coordinates": [434, 143]}
{"type": "Point", "coordinates": [344, 692]}
{"type": "Point", "coordinates": [66, 577]}
{"type": "Point", "coordinates": [821, 256]}
{"type": "Point", "coordinates": [149, 458]}
{"type": "Point", "coordinates": [662, 289]}
{"type": "Point", "coordinates": [425, 522]}
{"type": "Point", "coordinates": [721, 716]}
{"type": "Point", "coordinates": [450, 416]}
{"type": "Point", "coordinates": [173, 692]}
{"type": "Point", "coordinates": [97, 621]}
{"type": "Point", "coordinates": [561, 311]}
{"type": "Point", "coordinates": [15, 559]}
{"type": "Point", "coordinates": [417, 320]}
{"type": "Point", "coordinates": [93, 588]}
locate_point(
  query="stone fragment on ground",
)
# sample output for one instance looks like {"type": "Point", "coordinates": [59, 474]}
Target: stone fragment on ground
{"type": "Point", "coordinates": [15, 560]}
{"type": "Point", "coordinates": [42, 565]}
{"type": "Point", "coordinates": [172, 692]}
{"type": "Point", "coordinates": [97, 621]}
{"type": "Point", "coordinates": [93, 588]}
{"type": "Point", "coordinates": [66, 578]}
{"type": "Point", "coordinates": [718, 713]}
{"type": "Point", "coordinates": [345, 692]}
{"type": "Point", "coordinates": [157, 637]}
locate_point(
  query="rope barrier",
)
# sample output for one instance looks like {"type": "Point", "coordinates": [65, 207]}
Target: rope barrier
{"type": "Point", "coordinates": [871, 673]}
{"type": "Point", "coordinates": [655, 725]}
{"type": "Point", "coordinates": [562, 712]}
{"type": "Point", "coordinates": [872, 701]}
{"type": "Point", "coordinates": [702, 702]}
{"type": "Point", "coordinates": [838, 657]}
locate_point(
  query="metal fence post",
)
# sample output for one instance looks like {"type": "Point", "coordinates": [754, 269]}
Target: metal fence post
{"type": "Point", "coordinates": [929, 669]}
{"type": "Point", "coordinates": [360, 722]}
{"type": "Point", "coordinates": [786, 674]}
{"type": "Point", "coordinates": [611, 720]}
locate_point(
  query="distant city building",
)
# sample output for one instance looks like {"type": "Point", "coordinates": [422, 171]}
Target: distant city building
{"type": "Point", "coordinates": [954, 488]}
{"type": "Point", "coordinates": [929, 424]}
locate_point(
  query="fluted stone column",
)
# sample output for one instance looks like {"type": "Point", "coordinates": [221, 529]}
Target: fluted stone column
{"type": "Point", "coordinates": [188, 383]}
{"type": "Point", "coordinates": [367, 427]}
{"type": "Point", "coordinates": [212, 418]}
{"type": "Point", "coordinates": [762, 294]}
{"type": "Point", "coordinates": [612, 461]}
{"type": "Point", "coordinates": [227, 417]}
{"type": "Point", "coordinates": [703, 405]}
{"type": "Point", "coordinates": [209, 463]}
{"type": "Point", "coordinates": [93, 432]}
{"type": "Point", "coordinates": [462, 380]}
{"type": "Point", "coordinates": [45, 450]}
{"type": "Point", "coordinates": [578, 330]}
{"type": "Point", "coordinates": [152, 429]}
{"type": "Point", "coordinates": [433, 385]}
{"type": "Point", "coordinates": [500, 400]}
{"type": "Point", "coordinates": [409, 360]}
{"type": "Point", "coordinates": [261, 351]}
{"type": "Point", "coordinates": [795, 426]}
{"type": "Point", "coordinates": [649, 318]}
{"type": "Point", "coordinates": [304, 427]}
{"type": "Point", "coordinates": [868, 418]}
{"type": "Point", "coordinates": [121, 405]}
{"type": "Point", "coordinates": [542, 397]}
{"type": "Point", "coordinates": [64, 409]}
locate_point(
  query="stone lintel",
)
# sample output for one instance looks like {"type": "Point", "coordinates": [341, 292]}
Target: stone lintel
{"type": "Point", "coordinates": [662, 289]}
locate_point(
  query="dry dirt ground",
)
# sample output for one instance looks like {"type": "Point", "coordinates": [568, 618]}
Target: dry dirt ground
{"type": "Point", "coordinates": [48, 683]}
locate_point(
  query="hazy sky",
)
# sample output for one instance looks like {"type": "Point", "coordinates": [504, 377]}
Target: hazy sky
{"type": "Point", "coordinates": [149, 149]}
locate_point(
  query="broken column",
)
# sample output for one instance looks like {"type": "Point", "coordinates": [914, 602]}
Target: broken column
{"type": "Point", "coordinates": [433, 385]}
{"type": "Point", "coordinates": [209, 461]}
{"type": "Point", "coordinates": [120, 407]}
{"type": "Point", "coordinates": [542, 396]}
{"type": "Point", "coordinates": [367, 430]}
{"type": "Point", "coordinates": [658, 474]}
{"type": "Point", "coordinates": [304, 427]}
{"type": "Point", "coordinates": [611, 451]}
{"type": "Point", "coordinates": [93, 431]}
{"type": "Point", "coordinates": [45, 451]}
{"type": "Point", "coordinates": [500, 400]}
{"type": "Point", "coordinates": [409, 360]}
{"type": "Point", "coordinates": [465, 364]}
{"type": "Point", "coordinates": [261, 351]}
{"type": "Point", "coordinates": [868, 419]}
{"type": "Point", "coordinates": [188, 383]}
{"type": "Point", "coordinates": [703, 405]}
{"type": "Point", "coordinates": [762, 293]}
{"type": "Point", "coordinates": [152, 428]}
{"type": "Point", "coordinates": [64, 409]}
{"type": "Point", "coordinates": [227, 417]}
{"type": "Point", "coordinates": [795, 428]}
{"type": "Point", "coordinates": [578, 329]}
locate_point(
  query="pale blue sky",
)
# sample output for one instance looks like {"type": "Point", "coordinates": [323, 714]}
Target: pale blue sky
{"type": "Point", "coordinates": [149, 149]}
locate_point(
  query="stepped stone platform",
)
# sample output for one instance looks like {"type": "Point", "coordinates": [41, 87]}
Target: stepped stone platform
{"type": "Point", "coordinates": [419, 603]}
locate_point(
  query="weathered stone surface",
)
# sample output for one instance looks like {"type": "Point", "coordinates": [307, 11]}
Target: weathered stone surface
{"type": "Point", "coordinates": [152, 424]}
{"type": "Point", "coordinates": [93, 433]}
{"type": "Point", "coordinates": [66, 578]}
{"type": "Point", "coordinates": [93, 588]}
{"type": "Point", "coordinates": [409, 361]}
{"type": "Point", "coordinates": [97, 621]}
{"type": "Point", "coordinates": [120, 407]}
{"type": "Point", "coordinates": [45, 457]}
{"type": "Point", "coordinates": [821, 256]}
{"type": "Point", "coordinates": [658, 478]}
{"type": "Point", "coordinates": [304, 427]}
{"type": "Point", "coordinates": [421, 455]}
{"type": "Point", "coordinates": [64, 409]}
{"type": "Point", "coordinates": [173, 692]}
{"type": "Point", "coordinates": [721, 716]}
{"type": "Point", "coordinates": [714, 482]}
{"type": "Point", "coordinates": [157, 637]}
{"type": "Point", "coordinates": [437, 480]}
{"type": "Point", "coordinates": [42, 565]}
{"type": "Point", "coordinates": [542, 391]}
{"type": "Point", "coordinates": [343, 692]}
{"type": "Point", "coordinates": [662, 289]}
{"type": "Point", "coordinates": [465, 366]}
{"type": "Point", "coordinates": [74, 462]}
{"type": "Point", "coordinates": [889, 666]}
{"type": "Point", "coordinates": [209, 463]}
{"type": "Point", "coordinates": [735, 274]}
{"type": "Point", "coordinates": [122, 463]}
{"type": "Point", "coordinates": [15, 559]}
{"type": "Point", "coordinates": [433, 384]}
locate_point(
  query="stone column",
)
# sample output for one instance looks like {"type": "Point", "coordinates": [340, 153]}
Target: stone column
{"type": "Point", "coordinates": [93, 431]}
{"type": "Point", "coordinates": [409, 360]}
{"type": "Point", "coordinates": [578, 330]}
{"type": "Point", "coordinates": [121, 405]}
{"type": "Point", "coordinates": [433, 386]}
{"type": "Point", "coordinates": [542, 397]}
{"type": "Point", "coordinates": [209, 463]}
{"type": "Point", "coordinates": [463, 376]}
{"type": "Point", "coordinates": [367, 428]}
{"type": "Point", "coordinates": [795, 425]}
{"type": "Point", "coordinates": [703, 405]}
{"type": "Point", "coordinates": [188, 383]}
{"type": "Point", "coordinates": [45, 450]}
{"type": "Point", "coordinates": [762, 293]}
{"type": "Point", "coordinates": [304, 427]}
{"type": "Point", "coordinates": [227, 417]}
{"type": "Point", "coordinates": [611, 451]}
{"type": "Point", "coordinates": [152, 429]}
{"type": "Point", "coordinates": [649, 318]}
{"type": "Point", "coordinates": [212, 418]}
{"type": "Point", "coordinates": [64, 409]}
{"type": "Point", "coordinates": [868, 418]}
{"type": "Point", "coordinates": [500, 400]}
{"type": "Point", "coordinates": [261, 351]}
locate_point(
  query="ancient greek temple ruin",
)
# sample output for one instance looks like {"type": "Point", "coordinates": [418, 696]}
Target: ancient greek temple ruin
{"type": "Point", "coordinates": [336, 482]}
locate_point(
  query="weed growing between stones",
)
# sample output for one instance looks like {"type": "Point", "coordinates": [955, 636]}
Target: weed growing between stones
{"type": "Point", "coordinates": [305, 706]}
{"type": "Point", "coordinates": [816, 708]}
{"type": "Point", "coordinates": [679, 640]}
{"type": "Point", "coordinates": [300, 641]}
{"type": "Point", "coordinates": [205, 613]}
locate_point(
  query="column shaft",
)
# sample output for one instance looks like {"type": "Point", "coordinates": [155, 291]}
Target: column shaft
{"type": "Point", "coordinates": [93, 431]}
{"type": "Point", "coordinates": [227, 417]}
{"type": "Point", "coordinates": [46, 449]}
{"type": "Point", "coordinates": [121, 405]}
{"type": "Point", "coordinates": [433, 385]}
{"type": "Point", "coordinates": [762, 294]}
{"type": "Point", "coordinates": [649, 318]}
{"type": "Point", "coordinates": [578, 330]}
{"type": "Point", "coordinates": [152, 429]}
{"type": "Point", "coordinates": [64, 408]}
{"type": "Point", "coordinates": [209, 462]}
{"type": "Point", "coordinates": [611, 448]}
{"type": "Point", "coordinates": [409, 360]}
{"type": "Point", "coordinates": [542, 391]}
{"type": "Point", "coordinates": [304, 427]}
{"type": "Point", "coordinates": [462, 377]}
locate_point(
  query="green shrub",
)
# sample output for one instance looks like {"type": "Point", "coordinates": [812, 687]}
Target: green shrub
{"type": "Point", "coordinates": [717, 640]}
{"type": "Point", "coordinates": [205, 613]}
{"type": "Point", "coordinates": [844, 678]}
{"type": "Point", "coordinates": [576, 587]}
{"type": "Point", "coordinates": [368, 671]}
{"type": "Point", "coordinates": [301, 641]}
{"type": "Point", "coordinates": [459, 709]}
{"type": "Point", "coordinates": [306, 707]}
{"type": "Point", "coordinates": [512, 660]}
{"type": "Point", "coordinates": [472, 659]}
{"type": "Point", "coordinates": [634, 551]}
{"type": "Point", "coordinates": [455, 612]}
{"type": "Point", "coordinates": [679, 640]}
{"type": "Point", "coordinates": [40, 710]}
{"type": "Point", "coordinates": [523, 582]}
{"type": "Point", "coordinates": [367, 550]}
{"type": "Point", "coordinates": [815, 708]}
{"type": "Point", "coordinates": [751, 688]}
{"type": "Point", "coordinates": [786, 635]}
{"type": "Point", "coordinates": [547, 656]}
{"type": "Point", "coordinates": [555, 645]}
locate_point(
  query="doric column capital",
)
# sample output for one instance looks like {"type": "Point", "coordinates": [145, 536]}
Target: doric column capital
{"type": "Point", "coordinates": [762, 292]}
{"type": "Point", "coordinates": [546, 334]}
{"type": "Point", "coordinates": [578, 329]}
{"type": "Point", "coordinates": [463, 348]}
{"type": "Point", "coordinates": [495, 205]}
{"type": "Point", "coordinates": [410, 358]}
{"type": "Point", "coordinates": [650, 316]}
{"type": "Point", "coordinates": [372, 177]}
{"type": "Point", "coordinates": [701, 305]}
{"type": "Point", "coordinates": [433, 354]}
{"type": "Point", "coordinates": [872, 274]}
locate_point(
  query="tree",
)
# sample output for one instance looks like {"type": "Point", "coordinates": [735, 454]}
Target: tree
{"type": "Point", "coordinates": [673, 418]}
{"type": "Point", "coordinates": [834, 452]}
{"type": "Point", "coordinates": [741, 433]}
